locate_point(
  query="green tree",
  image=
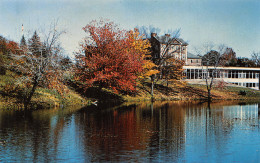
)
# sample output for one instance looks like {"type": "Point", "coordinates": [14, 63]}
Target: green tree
{"type": "Point", "coordinates": [35, 45]}
{"type": "Point", "coordinates": [23, 43]}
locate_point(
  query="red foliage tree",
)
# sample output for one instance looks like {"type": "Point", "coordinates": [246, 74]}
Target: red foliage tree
{"type": "Point", "coordinates": [112, 58]}
{"type": "Point", "coordinates": [13, 47]}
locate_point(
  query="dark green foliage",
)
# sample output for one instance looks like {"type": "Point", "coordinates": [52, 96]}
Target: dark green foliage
{"type": "Point", "coordinates": [245, 62]}
{"type": "Point", "coordinates": [23, 43]}
{"type": "Point", "coordinates": [210, 58]}
{"type": "Point", "coordinates": [35, 45]}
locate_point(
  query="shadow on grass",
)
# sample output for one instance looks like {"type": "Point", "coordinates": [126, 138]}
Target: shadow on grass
{"type": "Point", "coordinates": [102, 95]}
{"type": "Point", "coordinates": [168, 91]}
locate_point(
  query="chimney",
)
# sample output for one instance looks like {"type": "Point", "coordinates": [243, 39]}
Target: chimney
{"type": "Point", "coordinates": [167, 35]}
{"type": "Point", "coordinates": [153, 34]}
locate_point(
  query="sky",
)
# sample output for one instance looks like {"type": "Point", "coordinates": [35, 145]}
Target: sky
{"type": "Point", "coordinates": [235, 23]}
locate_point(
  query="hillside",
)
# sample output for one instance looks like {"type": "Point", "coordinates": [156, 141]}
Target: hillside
{"type": "Point", "coordinates": [11, 95]}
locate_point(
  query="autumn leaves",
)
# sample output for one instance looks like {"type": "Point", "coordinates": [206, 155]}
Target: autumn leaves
{"type": "Point", "coordinates": [113, 58]}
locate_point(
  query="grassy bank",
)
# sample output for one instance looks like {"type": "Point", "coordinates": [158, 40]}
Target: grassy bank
{"type": "Point", "coordinates": [187, 92]}
{"type": "Point", "coordinates": [10, 97]}
{"type": "Point", "coordinates": [75, 95]}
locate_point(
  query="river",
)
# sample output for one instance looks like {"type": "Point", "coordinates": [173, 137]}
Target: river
{"type": "Point", "coordinates": [135, 132]}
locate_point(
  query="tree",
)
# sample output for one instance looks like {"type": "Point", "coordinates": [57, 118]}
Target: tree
{"type": "Point", "coordinates": [229, 57]}
{"type": "Point", "coordinates": [36, 68]}
{"type": "Point", "coordinates": [35, 45]}
{"type": "Point", "coordinates": [211, 60]}
{"type": "Point", "coordinates": [173, 70]}
{"type": "Point", "coordinates": [256, 58]}
{"type": "Point", "coordinates": [3, 44]}
{"type": "Point", "coordinates": [23, 43]}
{"type": "Point", "coordinates": [245, 62]}
{"type": "Point", "coordinates": [110, 57]}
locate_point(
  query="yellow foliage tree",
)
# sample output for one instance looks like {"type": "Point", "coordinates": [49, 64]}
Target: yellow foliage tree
{"type": "Point", "coordinates": [141, 46]}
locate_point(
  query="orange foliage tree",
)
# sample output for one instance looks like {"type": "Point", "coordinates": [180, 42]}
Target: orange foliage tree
{"type": "Point", "coordinates": [112, 58]}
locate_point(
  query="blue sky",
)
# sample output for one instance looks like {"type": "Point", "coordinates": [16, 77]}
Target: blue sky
{"type": "Point", "coordinates": [235, 23]}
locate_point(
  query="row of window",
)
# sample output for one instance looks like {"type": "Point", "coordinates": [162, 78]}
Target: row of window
{"type": "Point", "coordinates": [246, 84]}
{"type": "Point", "coordinates": [198, 73]}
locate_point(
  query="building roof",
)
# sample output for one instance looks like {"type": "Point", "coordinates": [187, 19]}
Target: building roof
{"type": "Point", "coordinates": [192, 56]}
{"type": "Point", "coordinates": [166, 39]}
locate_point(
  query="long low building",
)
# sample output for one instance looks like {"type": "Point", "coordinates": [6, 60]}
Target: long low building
{"type": "Point", "coordinates": [241, 76]}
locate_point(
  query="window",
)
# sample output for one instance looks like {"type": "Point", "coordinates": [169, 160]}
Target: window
{"type": "Point", "coordinates": [239, 75]}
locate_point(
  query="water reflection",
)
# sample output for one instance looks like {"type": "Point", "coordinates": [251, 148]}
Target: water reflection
{"type": "Point", "coordinates": [144, 132]}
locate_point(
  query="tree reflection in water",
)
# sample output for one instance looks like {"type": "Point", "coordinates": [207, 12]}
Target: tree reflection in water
{"type": "Point", "coordinates": [143, 132]}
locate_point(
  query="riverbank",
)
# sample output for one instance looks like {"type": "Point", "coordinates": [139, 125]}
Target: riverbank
{"type": "Point", "coordinates": [74, 95]}
{"type": "Point", "coordinates": [10, 95]}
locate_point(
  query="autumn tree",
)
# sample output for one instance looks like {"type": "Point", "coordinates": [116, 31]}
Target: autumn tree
{"type": "Point", "coordinates": [38, 69]}
{"type": "Point", "coordinates": [7, 47]}
{"type": "Point", "coordinates": [111, 58]}
{"type": "Point", "coordinates": [229, 57]}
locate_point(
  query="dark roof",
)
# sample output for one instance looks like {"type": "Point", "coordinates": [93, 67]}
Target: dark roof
{"type": "Point", "coordinates": [166, 39]}
{"type": "Point", "coordinates": [192, 56]}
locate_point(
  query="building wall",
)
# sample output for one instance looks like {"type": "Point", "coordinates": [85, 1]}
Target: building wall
{"type": "Point", "coordinates": [193, 62]}
{"type": "Point", "coordinates": [177, 51]}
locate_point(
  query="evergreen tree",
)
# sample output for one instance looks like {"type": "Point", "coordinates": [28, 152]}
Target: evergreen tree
{"type": "Point", "coordinates": [23, 43]}
{"type": "Point", "coordinates": [35, 45]}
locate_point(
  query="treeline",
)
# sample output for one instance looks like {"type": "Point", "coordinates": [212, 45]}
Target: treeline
{"type": "Point", "coordinates": [228, 58]}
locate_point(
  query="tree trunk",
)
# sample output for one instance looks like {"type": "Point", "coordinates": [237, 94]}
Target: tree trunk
{"type": "Point", "coordinates": [152, 87]}
{"type": "Point", "coordinates": [29, 98]}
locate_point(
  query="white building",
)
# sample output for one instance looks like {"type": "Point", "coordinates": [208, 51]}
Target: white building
{"type": "Point", "coordinates": [241, 76]}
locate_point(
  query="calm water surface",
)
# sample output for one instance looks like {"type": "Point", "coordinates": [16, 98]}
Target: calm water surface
{"type": "Point", "coordinates": [145, 132]}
